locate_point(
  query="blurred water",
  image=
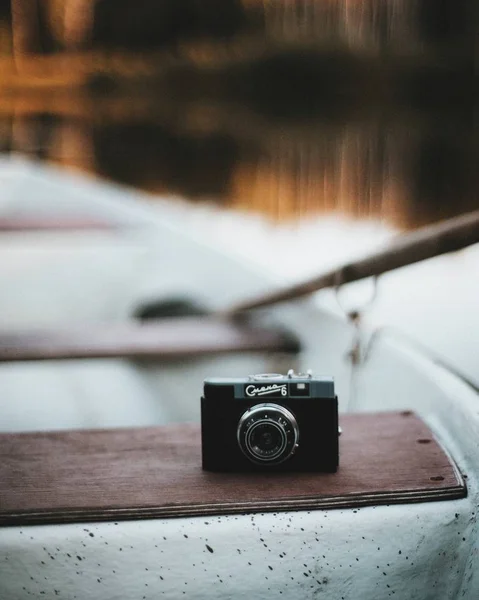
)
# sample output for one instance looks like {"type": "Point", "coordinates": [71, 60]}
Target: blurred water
{"type": "Point", "coordinates": [288, 109]}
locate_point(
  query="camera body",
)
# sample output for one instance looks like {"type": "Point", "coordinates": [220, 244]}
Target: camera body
{"type": "Point", "coordinates": [270, 422]}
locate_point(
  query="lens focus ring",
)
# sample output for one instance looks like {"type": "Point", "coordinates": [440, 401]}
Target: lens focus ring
{"type": "Point", "coordinates": [268, 434]}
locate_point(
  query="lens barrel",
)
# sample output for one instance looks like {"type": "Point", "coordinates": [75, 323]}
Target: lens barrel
{"type": "Point", "coordinates": [268, 434]}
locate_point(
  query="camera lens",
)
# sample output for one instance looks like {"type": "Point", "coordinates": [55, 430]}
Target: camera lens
{"type": "Point", "coordinates": [268, 433]}
{"type": "Point", "coordinates": [265, 440]}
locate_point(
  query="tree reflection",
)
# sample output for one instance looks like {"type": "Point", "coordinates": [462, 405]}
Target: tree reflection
{"type": "Point", "coordinates": [361, 107]}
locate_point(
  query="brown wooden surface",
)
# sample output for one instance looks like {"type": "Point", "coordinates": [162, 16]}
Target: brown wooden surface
{"type": "Point", "coordinates": [169, 339]}
{"type": "Point", "coordinates": [156, 472]}
{"type": "Point", "coordinates": [12, 224]}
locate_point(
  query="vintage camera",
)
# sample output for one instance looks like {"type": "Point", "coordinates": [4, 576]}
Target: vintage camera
{"type": "Point", "coordinates": [270, 422]}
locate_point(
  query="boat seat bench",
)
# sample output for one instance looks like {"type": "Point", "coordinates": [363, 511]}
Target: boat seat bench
{"type": "Point", "coordinates": [141, 473]}
{"type": "Point", "coordinates": [164, 339]}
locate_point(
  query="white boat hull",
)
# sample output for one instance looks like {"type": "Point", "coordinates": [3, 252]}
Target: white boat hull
{"type": "Point", "coordinates": [411, 551]}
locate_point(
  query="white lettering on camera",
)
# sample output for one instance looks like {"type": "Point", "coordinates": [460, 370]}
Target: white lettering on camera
{"type": "Point", "coordinates": [253, 390]}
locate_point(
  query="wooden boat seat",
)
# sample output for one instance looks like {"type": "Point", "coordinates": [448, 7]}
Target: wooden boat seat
{"type": "Point", "coordinates": [115, 474]}
{"type": "Point", "coordinates": [162, 340]}
{"type": "Point", "coordinates": [22, 223]}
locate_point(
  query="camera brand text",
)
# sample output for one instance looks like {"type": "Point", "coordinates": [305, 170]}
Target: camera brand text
{"type": "Point", "coordinates": [253, 390]}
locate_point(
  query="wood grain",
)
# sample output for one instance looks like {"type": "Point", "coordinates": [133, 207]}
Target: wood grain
{"type": "Point", "coordinates": [60, 477]}
{"type": "Point", "coordinates": [167, 339]}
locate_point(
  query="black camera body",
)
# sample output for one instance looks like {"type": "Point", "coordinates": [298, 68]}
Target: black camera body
{"type": "Point", "coordinates": [270, 422]}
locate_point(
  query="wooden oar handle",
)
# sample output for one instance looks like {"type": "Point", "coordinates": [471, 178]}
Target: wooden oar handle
{"type": "Point", "coordinates": [424, 243]}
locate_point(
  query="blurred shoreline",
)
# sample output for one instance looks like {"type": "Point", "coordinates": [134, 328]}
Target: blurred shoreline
{"type": "Point", "coordinates": [289, 109]}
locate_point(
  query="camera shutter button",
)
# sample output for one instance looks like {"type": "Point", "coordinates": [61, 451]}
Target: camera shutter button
{"type": "Point", "coordinates": [263, 376]}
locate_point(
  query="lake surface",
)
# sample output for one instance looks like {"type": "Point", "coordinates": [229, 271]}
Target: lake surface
{"type": "Point", "coordinates": [291, 110]}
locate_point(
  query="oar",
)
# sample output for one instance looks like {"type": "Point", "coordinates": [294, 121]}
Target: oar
{"type": "Point", "coordinates": [427, 242]}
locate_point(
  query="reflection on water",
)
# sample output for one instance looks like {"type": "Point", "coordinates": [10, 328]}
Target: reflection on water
{"type": "Point", "coordinates": [288, 108]}
{"type": "Point", "coordinates": [55, 25]}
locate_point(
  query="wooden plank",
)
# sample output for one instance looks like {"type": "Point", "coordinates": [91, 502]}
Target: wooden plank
{"type": "Point", "coordinates": [166, 339]}
{"type": "Point", "coordinates": [61, 477]}
{"type": "Point", "coordinates": [21, 224]}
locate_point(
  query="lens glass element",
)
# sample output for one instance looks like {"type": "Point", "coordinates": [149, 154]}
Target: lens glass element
{"type": "Point", "coordinates": [268, 433]}
{"type": "Point", "coordinates": [266, 439]}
